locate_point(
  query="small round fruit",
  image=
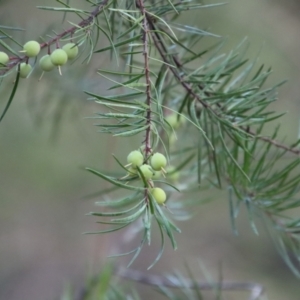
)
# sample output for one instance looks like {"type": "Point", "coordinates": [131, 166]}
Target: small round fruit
{"type": "Point", "coordinates": [172, 173]}
{"type": "Point", "coordinates": [46, 64]}
{"type": "Point", "coordinates": [25, 69]}
{"type": "Point", "coordinates": [172, 138]}
{"type": "Point", "coordinates": [158, 161]}
{"type": "Point", "coordinates": [135, 158]}
{"type": "Point", "coordinates": [59, 57]}
{"type": "Point", "coordinates": [71, 49]}
{"type": "Point", "coordinates": [157, 175]}
{"type": "Point", "coordinates": [132, 171]}
{"type": "Point", "coordinates": [175, 120]}
{"type": "Point", "coordinates": [32, 48]}
{"type": "Point", "coordinates": [159, 195]}
{"type": "Point", "coordinates": [4, 58]}
{"type": "Point", "coordinates": [147, 171]}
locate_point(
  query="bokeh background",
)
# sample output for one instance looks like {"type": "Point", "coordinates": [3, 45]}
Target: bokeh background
{"type": "Point", "coordinates": [45, 140]}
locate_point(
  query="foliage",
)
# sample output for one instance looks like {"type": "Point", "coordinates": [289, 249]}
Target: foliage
{"type": "Point", "coordinates": [162, 89]}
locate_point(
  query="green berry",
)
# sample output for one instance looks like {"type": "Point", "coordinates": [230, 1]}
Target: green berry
{"type": "Point", "coordinates": [46, 64]}
{"type": "Point", "coordinates": [32, 48]}
{"type": "Point", "coordinates": [59, 57]}
{"type": "Point", "coordinates": [4, 58]}
{"type": "Point", "coordinates": [159, 195]}
{"type": "Point", "coordinates": [173, 174]}
{"type": "Point", "coordinates": [172, 138]}
{"type": "Point", "coordinates": [175, 120]}
{"type": "Point", "coordinates": [25, 69]}
{"type": "Point", "coordinates": [147, 171]}
{"type": "Point", "coordinates": [158, 161]}
{"type": "Point", "coordinates": [135, 158]}
{"type": "Point", "coordinates": [156, 175]}
{"type": "Point", "coordinates": [132, 171]}
{"type": "Point", "coordinates": [71, 50]}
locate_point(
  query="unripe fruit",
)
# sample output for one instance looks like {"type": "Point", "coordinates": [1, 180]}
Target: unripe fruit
{"type": "Point", "coordinates": [159, 195]}
{"type": "Point", "coordinates": [59, 57]}
{"type": "Point", "coordinates": [25, 69]}
{"type": "Point", "coordinates": [71, 49]}
{"type": "Point", "coordinates": [158, 161]}
{"type": "Point", "coordinates": [132, 171]}
{"type": "Point", "coordinates": [135, 158]}
{"type": "Point", "coordinates": [172, 138]}
{"type": "Point", "coordinates": [156, 175]}
{"type": "Point", "coordinates": [4, 58]}
{"type": "Point", "coordinates": [32, 48]}
{"type": "Point", "coordinates": [173, 174]}
{"type": "Point", "coordinates": [46, 64]}
{"type": "Point", "coordinates": [147, 171]}
{"type": "Point", "coordinates": [175, 120]}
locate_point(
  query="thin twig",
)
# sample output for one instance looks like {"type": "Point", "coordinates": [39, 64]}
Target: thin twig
{"type": "Point", "coordinates": [140, 5]}
{"type": "Point", "coordinates": [256, 290]}
{"type": "Point", "coordinates": [274, 142]}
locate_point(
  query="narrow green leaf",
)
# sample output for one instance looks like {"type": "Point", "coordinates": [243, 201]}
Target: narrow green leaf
{"type": "Point", "coordinates": [250, 215]}
{"type": "Point", "coordinates": [138, 250]}
{"type": "Point", "coordinates": [125, 42]}
{"type": "Point", "coordinates": [114, 181]}
{"type": "Point", "coordinates": [7, 47]}
{"type": "Point", "coordinates": [132, 217]}
{"type": "Point", "coordinates": [12, 94]}
{"type": "Point", "coordinates": [160, 253]}
{"type": "Point", "coordinates": [230, 155]}
{"type": "Point", "coordinates": [107, 230]}
{"type": "Point", "coordinates": [129, 82]}
{"type": "Point", "coordinates": [63, 9]}
{"type": "Point", "coordinates": [163, 221]}
{"type": "Point", "coordinates": [232, 211]}
{"type": "Point", "coordinates": [132, 132]}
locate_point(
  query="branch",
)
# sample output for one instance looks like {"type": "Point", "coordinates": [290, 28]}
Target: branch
{"type": "Point", "coordinates": [163, 51]}
{"type": "Point", "coordinates": [84, 23]}
{"type": "Point", "coordinates": [255, 289]}
{"type": "Point", "coordinates": [274, 142]}
{"type": "Point", "coordinates": [140, 5]}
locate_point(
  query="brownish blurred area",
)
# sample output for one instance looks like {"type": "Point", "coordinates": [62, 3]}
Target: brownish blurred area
{"type": "Point", "coordinates": [45, 141]}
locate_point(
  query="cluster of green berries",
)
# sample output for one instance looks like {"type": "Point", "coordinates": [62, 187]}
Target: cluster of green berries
{"type": "Point", "coordinates": [157, 164]}
{"type": "Point", "coordinates": [48, 62]}
{"type": "Point", "coordinates": [58, 57]}
{"type": "Point", "coordinates": [30, 49]}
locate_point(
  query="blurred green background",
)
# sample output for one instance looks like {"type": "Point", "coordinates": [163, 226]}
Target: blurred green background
{"type": "Point", "coordinates": [45, 141]}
